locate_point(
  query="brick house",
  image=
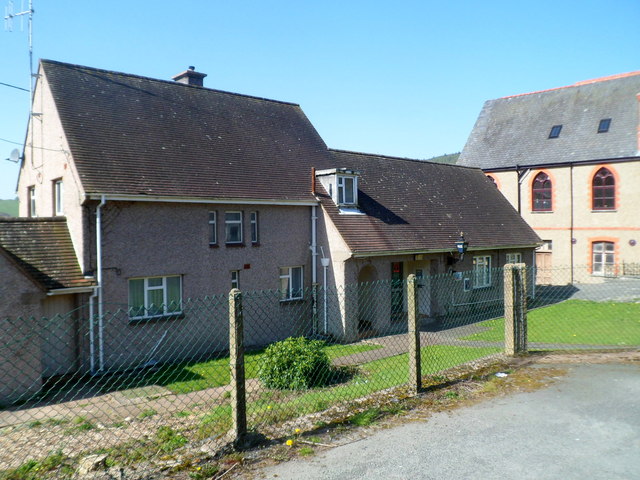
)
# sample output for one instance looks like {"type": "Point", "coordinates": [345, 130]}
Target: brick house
{"type": "Point", "coordinates": [568, 160]}
{"type": "Point", "coordinates": [173, 192]}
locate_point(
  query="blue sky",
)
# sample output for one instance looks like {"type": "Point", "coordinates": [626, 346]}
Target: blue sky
{"type": "Point", "coordinates": [404, 78]}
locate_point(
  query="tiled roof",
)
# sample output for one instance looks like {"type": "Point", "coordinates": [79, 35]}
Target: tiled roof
{"type": "Point", "coordinates": [134, 135]}
{"type": "Point", "coordinates": [514, 130]}
{"type": "Point", "coordinates": [43, 248]}
{"type": "Point", "coordinates": [412, 206]}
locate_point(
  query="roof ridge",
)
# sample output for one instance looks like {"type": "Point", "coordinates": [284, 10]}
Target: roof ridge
{"type": "Point", "coordinates": [579, 84]}
{"type": "Point", "coordinates": [170, 82]}
{"type": "Point", "coordinates": [406, 159]}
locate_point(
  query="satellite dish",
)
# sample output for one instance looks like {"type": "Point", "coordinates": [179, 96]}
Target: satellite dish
{"type": "Point", "coordinates": [14, 156]}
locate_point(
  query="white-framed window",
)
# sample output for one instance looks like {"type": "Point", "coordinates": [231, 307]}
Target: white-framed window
{"type": "Point", "coordinates": [235, 278]}
{"type": "Point", "coordinates": [603, 258]}
{"type": "Point", "coordinates": [31, 195]}
{"type": "Point", "coordinates": [514, 258]}
{"type": "Point", "coordinates": [233, 227]}
{"type": "Point", "coordinates": [291, 283]}
{"type": "Point", "coordinates": [254, 228]}
{"type": "Point", "coordinates": [481, 271]}
{"type": "Point", "coordinates": [213, 228]}
{"type": "Point", "coordinates": [347, 188]}
{"type": "Point", "coordinates": [155, 296]}
{"type": "Point", "coordinates": [58, 206]}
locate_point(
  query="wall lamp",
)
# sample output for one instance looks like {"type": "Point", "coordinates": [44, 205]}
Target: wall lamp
{"type": "Point", "coordinates": [461, 246]}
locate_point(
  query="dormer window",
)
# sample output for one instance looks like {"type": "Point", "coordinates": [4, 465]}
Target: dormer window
{"type": "Point", "coordinates": [342, 186]}
{"type": "Point", "coordinates": [347, 190]}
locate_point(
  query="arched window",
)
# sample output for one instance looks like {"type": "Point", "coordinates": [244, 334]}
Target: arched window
{"type": "Point", "coordinates": [541, 192]}
{"type": "Point", "coordinates": [604, 190]}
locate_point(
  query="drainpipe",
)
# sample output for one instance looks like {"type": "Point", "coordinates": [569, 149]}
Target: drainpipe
{"type": "Point", "coordinates": [99, 280]}
{"type": "Point", "coordinates": [572, 226]}
{"type": "Point", "coordinates": [314, 267]}
{"type": "Point", "coordinates": [325, 264]}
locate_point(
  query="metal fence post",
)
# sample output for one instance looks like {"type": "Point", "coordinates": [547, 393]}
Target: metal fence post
{"type": "Point", "coordinates": [415, 373]}
{"type": "Point", "coordinates": [236, 362]}
{"type": "Point", "coordinates": [515, 309]}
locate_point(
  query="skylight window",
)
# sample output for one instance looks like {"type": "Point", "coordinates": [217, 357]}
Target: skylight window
{"type": "Point", "coordinates": [604, 125]}
{"type": "Point", "coordinates": [555, 131]}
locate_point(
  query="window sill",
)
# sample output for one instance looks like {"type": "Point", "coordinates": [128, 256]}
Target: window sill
{"type": "Point", "coordinates": [255, 244]}
{"type": "Point", "coordinates": [214, 245]}
{"type": "Point", "coordinates": [234, 245]}
{"type": "Point", "coordinates": [480, 287]}
{"type": "Point", "coordinates": [291, 300]}
{"type": "Point", "coordinates": [157, 318]}
{"type": "Point", "coordinates": [542, 211]}
{"type": "Point", "coordinates": [605, 210]}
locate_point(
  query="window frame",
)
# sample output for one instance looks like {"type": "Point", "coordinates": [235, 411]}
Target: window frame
{"type": "Point", "coordinates": [482, 271]}
{"type": "Point", "coordinates": [255, 236]}
{"type": "Point", "coordinates": [58, 192]}
{"type": "Point", "coordinates": [517, 255]}
{"type": "Point", "coordinates": [286, 273]}
{"type": "Point", "coordinates": [235, 279]}
{"type": "Point", "coordinates": [535, 191]}
{"type": "Point", "coordinates": [341, 189]}
{"type": "Point", "coordinates": [147, 304]}
{"type": "Point", "coordinates": [597, 189]}
{"type": "Point", "coordinates": [228, 223]}
{"type": "Point", "coordinates": [555, 131]}
{"type": "Point", "coordinates": [31, 205]}
{"type": "Point", "coordinates": [213, 227]}
{"type": "Point", "coordinates": [603, 253]}
{"type": "Point", "coordinates": [604, 125]}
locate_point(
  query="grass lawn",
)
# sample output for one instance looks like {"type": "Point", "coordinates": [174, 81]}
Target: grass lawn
{"type": "Point", "coordinates": [194, 376]}
{"type": "Point", "coordinates": [575, 322]}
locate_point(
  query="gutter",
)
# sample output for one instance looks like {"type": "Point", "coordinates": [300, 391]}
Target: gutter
{"type": "Point", "coordinates": [70, 290]}
{"type": "Point", "coordinates": [229, 201]}
{"type": "Point", "coordinates": [440, 250]}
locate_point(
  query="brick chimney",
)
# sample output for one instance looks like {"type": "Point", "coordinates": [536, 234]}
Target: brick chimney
{"type": "Point", "coordinates": [190, 77]}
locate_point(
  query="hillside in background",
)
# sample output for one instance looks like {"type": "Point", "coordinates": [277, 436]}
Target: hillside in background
{"type": "Point", "coordinates": [9, 208]}
{"type": "Point", "coordinates": [450, 158]}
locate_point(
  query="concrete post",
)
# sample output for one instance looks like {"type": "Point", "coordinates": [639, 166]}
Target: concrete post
{"type": "Point", "coordinates": [415, 372]}
{"type": "Point", "coordinates": [515, 308]}
{"type": "Point", "coordinates": [236, 363]}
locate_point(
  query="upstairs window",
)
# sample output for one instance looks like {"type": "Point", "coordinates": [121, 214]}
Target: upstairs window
{"type": "Point", "coordinates": [347, 187]}
{"type": "Point", "coordinates": [235, 278]}
{"type": "Point", "coordinates": [542, 193]}
{"type": "Point", "coordinates": [254, 228]}
{"type": "Point", "coordinates": [233, 227]}
{"type": "Point", "coordinates": [213, 228]}
{"type": "Point", "coordinates": [603, 126]}
{"type": "Point", "coordinates": [555, 131]}
{"type": "Point", "coordinates": [58, 208]}
{"type": "Point", "coordinates": [31, 195]}
{"type": "Point", "coordinates": [603, 190]}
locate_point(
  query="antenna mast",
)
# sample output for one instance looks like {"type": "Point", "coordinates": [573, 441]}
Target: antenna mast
{"type": "Point", "coordinates": [8, 25]}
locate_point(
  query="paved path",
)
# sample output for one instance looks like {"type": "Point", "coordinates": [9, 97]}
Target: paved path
{"type": "Point", "coordinates": [585, 426]}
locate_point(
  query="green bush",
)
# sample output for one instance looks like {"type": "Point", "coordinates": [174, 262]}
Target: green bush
{"type": "Point", "coordinates": [295, 364]}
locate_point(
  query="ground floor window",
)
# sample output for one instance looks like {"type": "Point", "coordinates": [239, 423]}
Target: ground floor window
{"type": "Point", "coordinates": [155, 296]}
{"type": "Point", "coordinates": [291, 287]}
{"type": "Point", "coordinates": [514, 258]}
{"type": "Point", "coordinates": [481, 271]}
{"type": "Point", "coordinates": [603, 258]}
{"type": "Point", "coordinates": [235, 278]}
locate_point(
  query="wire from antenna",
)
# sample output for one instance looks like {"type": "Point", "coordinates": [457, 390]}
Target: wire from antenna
{"type": "Point", "coordinates": [14, 86]}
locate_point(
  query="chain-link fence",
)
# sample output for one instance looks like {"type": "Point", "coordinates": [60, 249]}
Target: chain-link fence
{"type": "Point", "coordinates": [133, 389]}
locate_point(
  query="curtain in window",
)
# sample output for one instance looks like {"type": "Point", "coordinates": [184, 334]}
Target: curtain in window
{"type": "Point", "coordinates": [174, 297]}
{"type": "Point", "coordinates": [136, 298]}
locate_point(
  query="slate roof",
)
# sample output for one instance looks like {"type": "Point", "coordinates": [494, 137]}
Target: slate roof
{"type": "Point", "coordinates": [414, 206]}
{"type": "Point", "coordinates": [42, 248]}
{"type": "Point", "coordinates": [134, 135]}
{"type": "Point", "coordinates": [514, 130]}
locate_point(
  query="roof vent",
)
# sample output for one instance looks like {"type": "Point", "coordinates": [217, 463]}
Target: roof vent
{"type": "Point", "coordinates": [190, 77]}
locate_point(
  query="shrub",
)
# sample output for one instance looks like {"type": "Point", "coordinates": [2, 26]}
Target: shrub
{"type": "Point", "coordinates": [295, 364]}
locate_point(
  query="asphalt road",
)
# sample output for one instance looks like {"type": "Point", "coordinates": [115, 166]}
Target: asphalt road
{"type": "Point", "coordinates": [585, 426]}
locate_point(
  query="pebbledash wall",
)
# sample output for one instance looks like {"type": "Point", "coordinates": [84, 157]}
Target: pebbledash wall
{"type": "Point", "coordinates": [572, 226]}
{"type": "Point", "coordinates": [149, 239]}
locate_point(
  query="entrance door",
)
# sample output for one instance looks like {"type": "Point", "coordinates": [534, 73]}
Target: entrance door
{"type": "Point", "coordinates": [543, 263]}
{"type": "Point", "coordinates": [397, 294]}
